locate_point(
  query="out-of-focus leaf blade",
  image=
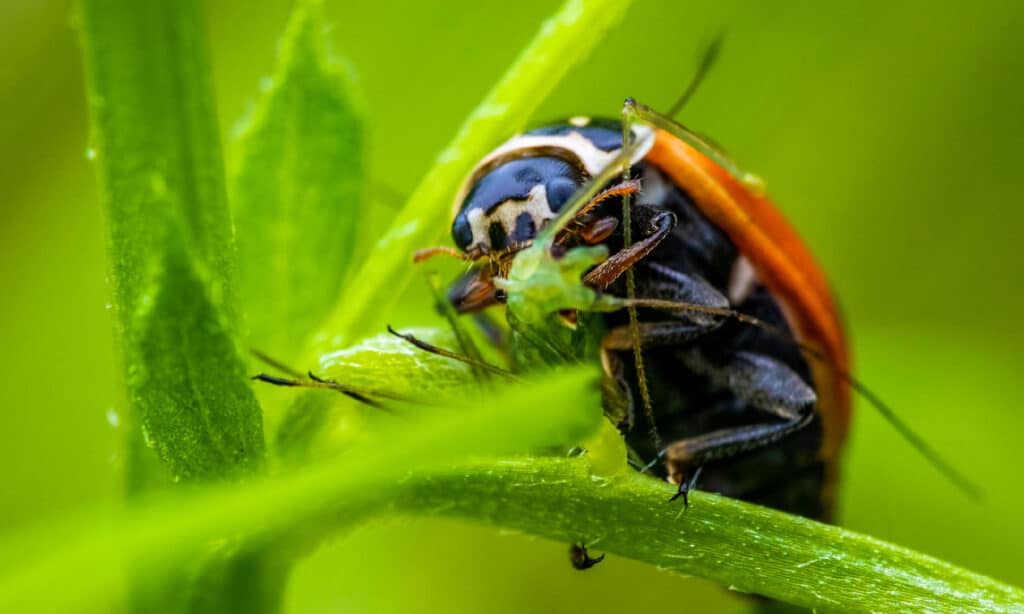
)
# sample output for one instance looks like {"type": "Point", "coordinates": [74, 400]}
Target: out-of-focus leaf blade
{"type": "Point", "coordinates": [172, 271]}
{"type": "Point", "coordinates": [90, 554]}
{"type": "Point", "coordinates": [297, 190]}
{"type": "Point", "coordinates": [192, 396]}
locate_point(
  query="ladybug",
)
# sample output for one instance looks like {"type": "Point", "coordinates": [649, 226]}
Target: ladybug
{"type": "Point", "coordinates": [742, 406]}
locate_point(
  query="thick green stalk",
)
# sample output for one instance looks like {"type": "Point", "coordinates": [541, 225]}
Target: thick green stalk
{"type": "Point", "coordinates": [563, 41]}
{"type": "Point", "coordinates": [745, 547]}
{"type": "Point", "coordinates": [173, 279]}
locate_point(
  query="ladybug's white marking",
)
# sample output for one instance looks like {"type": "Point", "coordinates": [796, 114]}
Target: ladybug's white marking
{"type": "Point", "coordinates": [742, 280]}
{"type": "Point", "coordinates": [574, 147]}
{"type": "Point", "coordinates": [579, 121]}
{"type": "Point", "coordinates": [506, 214]}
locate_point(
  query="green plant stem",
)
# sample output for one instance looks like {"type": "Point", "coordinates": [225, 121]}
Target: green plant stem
{"type": "Point", "coordinates": [746, 547]}
{"type": "Point", "coordinates": [563, 41]}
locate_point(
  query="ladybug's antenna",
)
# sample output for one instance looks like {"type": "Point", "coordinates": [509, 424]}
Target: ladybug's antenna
{"type": "Point", "coordinates": [962, 482]}
{"type": "Point", "coordinates": [707, 60]}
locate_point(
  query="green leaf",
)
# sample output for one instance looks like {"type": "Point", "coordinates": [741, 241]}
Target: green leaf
{"type": "Point", "coordinates": [89, 552]}
{"type": "Point", "coordinates": [172, 271]}
{"type": "Point", "coordinates": [380, 365]}
{"type": "Point", "coordinates": [371, 366]}
{"type": "Point", "coordinates": [563, 41]}
{"type": "Point", "coordinates": [297, 193]}
{"type": "Point", "coordinates": [196, 407]}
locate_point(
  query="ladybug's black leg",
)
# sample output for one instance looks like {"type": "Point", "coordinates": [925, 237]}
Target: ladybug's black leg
{"type": "Point", "coordinates": [663, 283]}
{"type": "Point", "coordinates": [601, 276]}
{"type": "Point", "coordinates": [618, 398]}
{"type": "Point", "coordinates": [581, 559]}
{"type": "Point", "coordinates": [685, 486]}
{"type": "Point", "coordinates": [765, 384]}
{"type": "Point", "coordinates": [597, 230]}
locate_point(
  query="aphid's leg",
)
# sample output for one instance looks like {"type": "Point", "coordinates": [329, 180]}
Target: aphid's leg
{"type": "Point", "coordinates": [764, 383]}
{"type": "Point", "coordinates": [601, 276]}
{"type": "Point", "coordinates": [581, 559]}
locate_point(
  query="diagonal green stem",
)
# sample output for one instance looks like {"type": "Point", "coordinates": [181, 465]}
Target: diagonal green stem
{"type": "Point", "coordinates": [563, 41]}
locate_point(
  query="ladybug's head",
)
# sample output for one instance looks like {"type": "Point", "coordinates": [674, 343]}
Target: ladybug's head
{"type": "Point", "coordinates": [505, 208]}
{"type": "Point", "coordinates": [518, 189]}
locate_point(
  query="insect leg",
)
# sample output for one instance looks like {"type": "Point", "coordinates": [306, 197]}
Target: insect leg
{"type": "Point", "coordinates": [581, 559]}
{"type": "Point", "coordinates": [671, 285]}
{"type": "Point", "coordinates": [608, 271]}
{"type": "Point", "coordinates": [765, 384]}
{"type": "Point", "coordinates": [598, 230]}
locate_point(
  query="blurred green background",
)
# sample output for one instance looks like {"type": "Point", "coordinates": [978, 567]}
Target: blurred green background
{"type": "Point", "coordinates": [891, 133]}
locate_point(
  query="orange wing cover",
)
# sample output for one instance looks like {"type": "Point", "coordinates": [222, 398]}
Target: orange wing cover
{"type": "Point", "coordinates": [782, 262]}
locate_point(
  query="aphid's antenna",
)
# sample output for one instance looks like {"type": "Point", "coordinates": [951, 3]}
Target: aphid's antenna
{"type": "Point", "coordinates": [707, 60]}
{"type": "Point", "coordinates": [441, 250]}
{"type": "Point", "coordinates": [648, 115]}
{"type": "Point", "coordinates": [627, 241]}
{"type": "Point", "coordinates": [309, 380]}
{"type": "Point", "coordinates": [274, 363]}
{"type": "Point", "coordinates": [965, 484]}
{"type": "Point", "coordinates": [433, 349]}
{"type": "Point", "coordinates": [315, 382]}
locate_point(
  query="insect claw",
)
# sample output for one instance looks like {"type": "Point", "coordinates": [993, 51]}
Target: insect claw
{"type": "Point", "coordinates": [319, 380]}
{"type": "Point", "coordinates": [277, 381]}
{"type": "Point", "coordinates": [581, 559]}
{"type": "Point", "coordinates": [685, 487]}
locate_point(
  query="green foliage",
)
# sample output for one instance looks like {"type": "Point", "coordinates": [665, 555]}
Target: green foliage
{"type": "Point", "coordinates": [229, 543]}
{"type": "Point", "coordinates": [382, 366]}
{"type": "Point", "coordinates": [172, 261]}
{"type": "Point", "coordinates": [188, 386]}
{"type": "Point", "coordinates": [297, 194]}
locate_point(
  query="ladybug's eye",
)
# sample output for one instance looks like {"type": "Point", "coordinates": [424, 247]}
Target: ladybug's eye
{"type": "Point", "coordinates": [461, 232]}
{"type": "Point", "coordinates": [559, 191]}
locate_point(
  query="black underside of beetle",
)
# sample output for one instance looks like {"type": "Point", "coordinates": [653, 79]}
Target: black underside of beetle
{"type": "Point", "coordinates": [738, 399]}
{"type": "Point", "coordinates": [694, 385]}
